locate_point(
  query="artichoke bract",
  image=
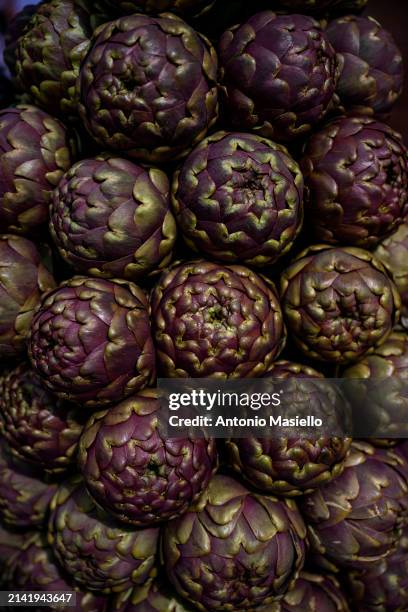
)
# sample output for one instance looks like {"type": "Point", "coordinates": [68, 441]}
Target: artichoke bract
{"type": "Point", "coordinates": [393, 254]}
{"type": "Point", "coordinates": [357, 519]}
{"type": "Point", "coordinates": [24, 498]}
{"type": "Point", "coordinates": [356, 179]}
{"type": "Point", "coordinates": [148, 87]}
{"type": "Point", "coordinates": [38, 427]}
{"type": "Point", "coordinates": [155, 596]}
{"type": "Point", "coordinates": [384, 588]}
{"type": "Point", "coordinates": [239, 550]}
{"type": "Point", "coordinates": [99, 554]}
{"type": "Point", "coordinates": [339, 303]}
{"type": "Point", "coordinates": [111, 218]}
{"type": "Point", "coordinates": [292, 466]}
{"type": "Point", "coordinates": [134, 471]}
{"type": "Point", "coordinates": [35, 151]}
{"type": "Point", "coordinates": [301, 69]}
{"type": "Point", "coordinates": [91, 342]}
{"type": "Point", "coordinates": [238, 197]}
{"type": "Point", "coordinates": [23, 280]}
{"type": "Point", "coordinates": [372, 72]}
{"type": "Point", "coordinates": [216, 321]}
{"type": "Point", "coordinates": [49, 54]}
{"type": "Point", "coordinates": [190, 7]}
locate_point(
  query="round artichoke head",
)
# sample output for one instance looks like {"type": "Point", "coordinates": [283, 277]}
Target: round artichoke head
{"type": "Point", "coordinates": [302, 74]}
{"type": "Point", "coordinates": [294, 465]}
{"type": "Point", "coordinates": [393, 254]}
{"type": "Point", "coordinates": [356, 179]}
{"type": "Point", "coordinates": [99, 554]}
{"type": "Point", "coordinates": [23, 279]}
{"type": "Point", "coordinates": [49, 54]}
{"type": "Point", "coordinates": [184, 7]}
{"type": "Point", "coordinates": [134, 471]}
{"type": "Point", "coordinates": [216, 321]}
{"type": "Point", "coordinates": [372, 71]}
{"type": "Point", "coordinates": [24, 498]}
{"type": "Point", "coordinates": [110, 217]}
{"type": "Point", "coordinates": [38, 427]}
{"type": "Point", "coordinates": [312, 593]}
{"type": "Point", "coordinates": [238, 197]}
{"type": "Point", "coordinates": [35, 151]}
{"type": "Point", "coordinates": [357, 519]}
{"type": "Point", "coordinates": [238, 550]}
{"type": "Point", "coordinates": [91, 343]}
{"type": "Point", "coordinates": [339, 303]}
{"type": "Point", "coordinates": [148, 87]}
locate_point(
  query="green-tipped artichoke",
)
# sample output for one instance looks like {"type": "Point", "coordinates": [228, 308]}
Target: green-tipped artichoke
{"type": "Point", "coordinates": [216, 321]}
{"type": "Point", "coordinates": [357, 519]}
{"type": "Point", "coordinates": [38, 427]}
{"type": "Point", "coordinates": [49, 54]}
{"type": "Point", "coordinates": [98, 554]}
{"type": "Point", "coordinates": [339, 303]}
{"type": "Point", "coordinates": [393, 254]}
{"type": "Point", "coordinates": [91, 342]}
{"type": "Point", "coordinates": [35, 151]}
{"type": "Point", "coordinates": [111, 218]}
{"type": "Point", "coordinates": [23, 280]}
{"type": "Point", "coordinates": [238, 198]}
{"type": "Point", "coordinates": [239, 550]}
{"type": "Point", "coordinates": [148, 87]}
{"type": "Point", "coordinates": [134, 471]}
{"type": "Point", "coordinates": [312, 593]}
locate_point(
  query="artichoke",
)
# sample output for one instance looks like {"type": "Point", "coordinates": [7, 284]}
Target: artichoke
{"type": "Point", "coordinates": [393, 254]}
{"type": "Point", "coordinates": [279, 74]}
{"type": "Point", "coordinates": [96, 552]}
{"type": "Point", "coordinates": [35, 151]}
{"type": "Point", "coordinates": [238, 197]}
{"type": "Point", "coordinates": [10, 546]}
{"type": "Point", "coordinates": [155, 596]}
{"type": "Point", "coordinates": [110, 217]}
{"type": "Point", "coordinates": [24, 498]}
{"type": "Point", "coordinates": [372, 71]}
{"type": "Point", "coordinates": [216, 321]}
{"type": "Point", "coordinates": [238, 550]}
{"type": "Point", "coordinates": [134, 471]}
{"type": "Point", "coordinates": [148, 87]}
{"type": "Point", "coordinates": [190, 7]}
{"type": "Point", "coordinates": [356, 178]}
{"type": "Point", "coordinates": [16, 28]}
{"type": "Point", "coordinates": [339, 303]}
{"type": "Point", "coordinates": [38, 428]}
{"type": "Point", "coordinates": [294, 465]}
{"type": "Point", "coordinates": [384, 588]}
{"type": "Point", "coordinates": [91, 343]}
{"type": "Point", "coordinates": [49, 54]}
{"type": "Point", "coordinates": [356, 520]}
{"type": "Point", "coordinates": [383, 403]}
{"type": "Point", "coordinates": [23, 279]}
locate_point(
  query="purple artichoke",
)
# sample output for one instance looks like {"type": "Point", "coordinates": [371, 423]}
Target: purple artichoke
{"type": "Point", "coordinates": [23, 279]}
{"type": "Point", "coordinates": [35, 151]}
{"type": "Point", "coordinates": [339, 303]}
{"type": "Point", "coordinates": [356, 178]}
{"type": "Point", "coordinates": [216, 321]}
{"type": "Point", "coordinates": [148, 87]}
{"type": "Point", "coordinates": [294, 465]}
{"type": "Point", "coordinates": [134, 471]}
{"type": "Point", "coordinates": [49, 54]}
{"type": "Point", "coordinates": [91, 342]}
{"type": "Point", "coordinates": [238, 197]}
{"type": "Point", "coordinates": [384, 588]}
{"type": "Point", "coordinates": [372, 71]}
{"type": "Point", "coordinates": [110, 217]}
{"type": "Point", "coordinates": [99, 554]}
{"type": "Point", "coordinates": [155, 596]}
{"type": "Point", "coordinates": [190, 7]}
{"type": "Point", "coordinates": [356, 520]}
{"type": "Point", "coordinates": [393, 254]}
{"type": "Point", "coordinates": [279, 74]}
{"type": "Point", "coordinates": [238, 550]}
{"type": "Point", "coordinates": [24, 498]}
{"type": "Point", "coordinates": [38, 428]}
{"type": "Point", "coordinates": [16, 28]}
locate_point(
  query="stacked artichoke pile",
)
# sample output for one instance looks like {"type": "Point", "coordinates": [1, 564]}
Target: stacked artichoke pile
{"type": "Point", "coordinates": [206, 189]}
